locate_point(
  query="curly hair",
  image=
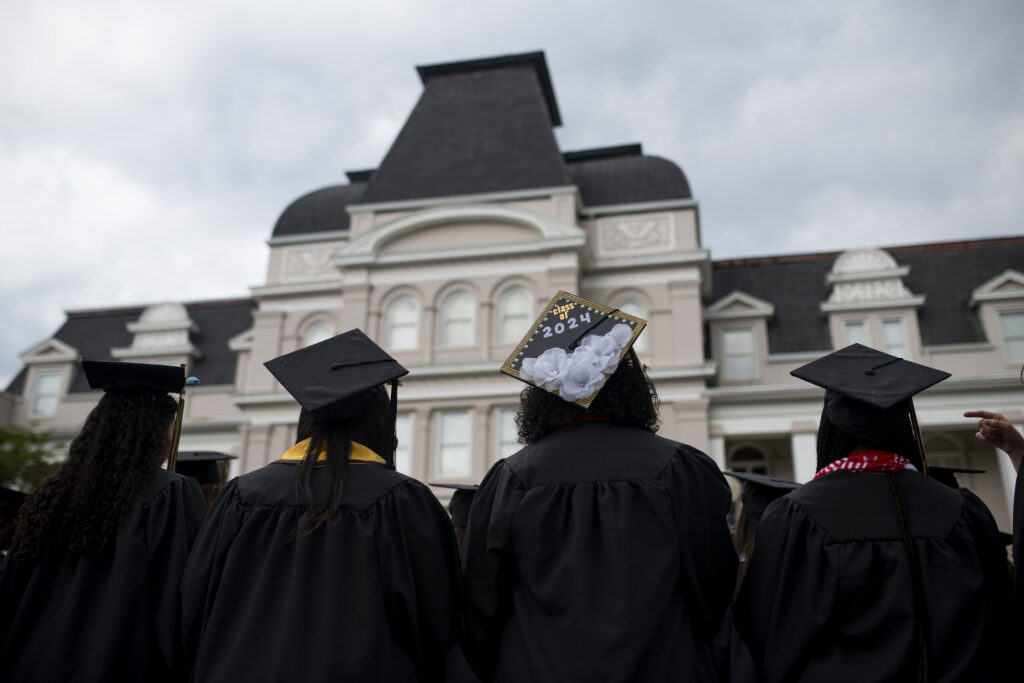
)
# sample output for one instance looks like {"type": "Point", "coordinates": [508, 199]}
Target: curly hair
{"type": "Point", "coordinates": [627, 398]}
{"type": "Point", "coordinates": [834, 443]}
{"type": "Point", "coordinates": [370, 427]}
{"type": "Point", "coordinates": [80, 506]}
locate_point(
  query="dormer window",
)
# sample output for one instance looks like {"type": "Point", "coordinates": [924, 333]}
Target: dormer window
{"type": "Point", "coordinates": [1013, 335]}
{"type": "Point", "coordinates": [738, 362]}
{"type": "Point", "coordinates": [46, 395]}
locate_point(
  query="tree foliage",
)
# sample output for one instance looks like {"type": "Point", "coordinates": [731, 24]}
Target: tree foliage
{"type": "Point", "coordinates": [26, 457]}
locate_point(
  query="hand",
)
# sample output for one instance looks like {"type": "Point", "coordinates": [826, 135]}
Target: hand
{"type": "Point", "coordinates": [997, 430]}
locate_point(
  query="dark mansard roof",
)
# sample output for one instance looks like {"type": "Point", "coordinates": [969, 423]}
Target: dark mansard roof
{"type": "Point", "coordinates": [945, 274]}
{"type": "Point", "coordinates": [94, 333]}
{"type": "Point", "coordinates": [485, 126]}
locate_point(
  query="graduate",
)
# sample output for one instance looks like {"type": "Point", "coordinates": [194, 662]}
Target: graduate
{"type": "Point", "coordinates": [600, 551]}
{"type": "Point", "coordinates": [326, 564]}
{"type": "Point", "coordinates": [90, 591]}
{"type": "Point", "coordinates": [208, 468]}
{"type": "Point", "coordinates": [874, 571]}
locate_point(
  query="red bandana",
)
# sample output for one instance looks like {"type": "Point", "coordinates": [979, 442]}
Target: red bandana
{"type": "Point", "coordinates": [868, 461]}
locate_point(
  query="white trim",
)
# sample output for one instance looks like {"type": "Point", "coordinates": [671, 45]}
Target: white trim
{"type": "Point", "coordinates": [887, 274]}
{"type": "Point", "coordinates": [65, 352]}
{"type": "Point", "coordinates": [242, 341]}
{"type": "Point", "coordinates": [986, 291]}
{"type": "Point", "coordinates": [157, 351]}
{"type": "Point", "coordinates": [958, 348]}
{"type": "Point", "coordinates": [296, 289]}
{"type": "Point", "coordinates": [909, 302]}
{"type": "Point", "coordinates": [506, 196]}
{"type": "Point", "coordinates": [460, 254]}
{"type": "Point", "coordinates": [692, 257]}
{"type": "Point", "coordinates": [638, 207]}
{"type": "Point", "coordinates": [756, 308]}
{"type": "Point", "coordinates": [795, 356]}
{"type": "Point", "coordinates": [309, 237]}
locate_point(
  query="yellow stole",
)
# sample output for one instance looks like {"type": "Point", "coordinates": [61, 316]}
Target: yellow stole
{"type": "Point", "coordinates": [357, 453]}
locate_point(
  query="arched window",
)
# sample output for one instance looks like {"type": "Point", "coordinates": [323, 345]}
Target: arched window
{"type": "Point", "coordinates": [317, 332]}
{"type": "Point", "coordinates": [636, 307]}
{"type": "Point", "coordinates": [458, 320]}
{"type": "Point", "coordinates": [514, 314]}
{"type": "Point", "coordinates": [403, 323]}
{"type": "Point", "coordinates": [748, 459]}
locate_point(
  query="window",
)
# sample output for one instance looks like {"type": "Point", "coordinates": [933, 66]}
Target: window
{"type": "Point", "coordinates": [634, 307]}
{"type": "Point", "coordinates": [507, 436]}
{"type": "Point", "coordinates": [458, 320]}
{"type": "Point", "coordinates": [893, 338]}
{"type": "Point", "coordinates": [1013, 335]}
{"type": "Point", "coordinates": [403, 323]}
{"type": "Point", "coordinates": [748, 459]}
{"type": "Point", "coordinates": [44, 399]}
{"type": "Point", "coordinates": [738, 353]}
{"type": "Point", "coordinates": [453, 439]}
{"type": "Point", "coordinates": [403, 454]}
{"type": "Point", "coordinates": [514, 315]}
{"type": "Point", "coordinates": [317, 332]}
{"type": "Point", "coordinates": [856, 332]}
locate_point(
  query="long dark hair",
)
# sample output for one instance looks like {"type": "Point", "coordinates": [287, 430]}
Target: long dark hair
{"type": "Point", "coordinates": [834, 443]}
{"type": "Point", "coordinates": [80, 506]}
{"type": "Point", "coordinates": [370, 427]}
{"type": "Point", "coordinates": [628, 398]}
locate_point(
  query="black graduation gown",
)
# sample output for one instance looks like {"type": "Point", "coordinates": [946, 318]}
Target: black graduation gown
{"type": "Point", "coordinates": [111, 616]}
{"type": "Point", "coordinates": [371, 595]}
{"type": "Point", "coordinates": [828, 595]}
{"type": "Point", "coordinates": [600, 553]}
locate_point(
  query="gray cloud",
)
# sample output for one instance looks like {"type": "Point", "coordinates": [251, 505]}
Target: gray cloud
{"type": "Point", "coordinates": [141, 144]}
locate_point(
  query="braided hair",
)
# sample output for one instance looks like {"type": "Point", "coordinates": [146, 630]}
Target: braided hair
{"type": "Point", "coordinates": [79, 507]}
{"type": "Point", "coordinates": [834, 443]}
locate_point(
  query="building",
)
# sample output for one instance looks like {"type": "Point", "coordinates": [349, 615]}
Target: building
{"type": "Point", "coordinates": [447, 251]}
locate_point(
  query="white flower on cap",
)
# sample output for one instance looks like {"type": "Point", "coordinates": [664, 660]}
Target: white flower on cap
{"type": "Point", "coordinates": [547, 369]}
{"type": "Point", "coordinates": [578, 374]}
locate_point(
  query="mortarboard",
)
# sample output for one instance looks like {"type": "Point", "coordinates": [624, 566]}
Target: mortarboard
{"type": "Point", "coordinates": [202, 465]}
{"type": "Point", "coordinates": [763, 481]}
{"type": "Point", "coordinates": [114, 374]}
{"type": "Point", "coordinates": [462, 500]}
{"type": "Point", "coordinates": [328, 377]}
{"type": "Point", "coordinates": [947, 475]}
{"type": "Point", "coordinates": [146, 377]}
{"type": "Point", "coordinates": [867, 390]}
{"type": "Point", "coordinates": [572, 347]}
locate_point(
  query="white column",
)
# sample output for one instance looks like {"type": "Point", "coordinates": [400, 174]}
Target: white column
{"type": "Point", "coordinates": [1008, 475]}
{"type": "Point", "coordinates": [716, 450]}
{"type": "Point", "coordinates": [805, 456]}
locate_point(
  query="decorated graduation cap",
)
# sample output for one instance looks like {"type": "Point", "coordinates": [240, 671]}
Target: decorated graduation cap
{"type": "Point", "coordinates": [869, 393]}
{"type": "Point", "coordinates": [329, 378]}
{"type": "Point", "coordinates": [114, 375]}
{"type": "Point", "coordinates": [461, 501]}
{"type": "Point", "coordinates": [573, 347]}
{"type": "Point", "coordinates": [203, 466]}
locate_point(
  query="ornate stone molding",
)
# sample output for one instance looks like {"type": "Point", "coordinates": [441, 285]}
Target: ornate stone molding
{"type": "Point", "coordinates": [642, 235]}
{"type": "Point", "coordinates": [308, 263]}
{"type": "Point", "coordinates": [868, 278]}
{"type": "Point", "coordinates": [162, 329]}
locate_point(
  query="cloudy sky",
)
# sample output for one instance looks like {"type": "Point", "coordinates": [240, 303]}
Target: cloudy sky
{"type": "Point", "coordinates": [146, 149]}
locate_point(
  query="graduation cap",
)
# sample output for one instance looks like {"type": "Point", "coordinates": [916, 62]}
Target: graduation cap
{"type": "Point", "coordinates": [144, 377]}
{"type": "Point", "coordinates": [868, 393]}
{"type": "Point", "coordinates": [947, 475]}
{"type": "Point", "coordinates": [573, 347]}
{"type": "Point", "coordinates": [115, 374]}
{"type": "Point", "coordinates": [203, 466]}
{"type": "Point", "coordinates": [462, 500]}
{"type": "Point", "coordinates": [328, 378]}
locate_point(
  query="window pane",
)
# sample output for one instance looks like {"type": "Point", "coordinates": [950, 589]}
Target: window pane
{"type": "Point", "coordinates": [856, 332]}
{"type": "Point", "coordinates": [508, 436]}
{"type": "Point", "coordinates": [634, 307]}
{"type": "Point", "coordinates": [403, 454]}
{"type": "Point", "coordinates": [515, 315]}
{"type": "Point", "coordinates": [458, 320]}
{"type": "Point", "coordinates": [403, 323]}
{"type": "Point", "coordinates": [44, 401]}
{"type": "Point", "coordinates": [738, 349]}
{"type": "Point", "coordinates": [453, 456]}
{"type": "Point", "coordinates": [317, 332]}
{"type": "Point", "coordinates": [1013, 335]}
{"type": "Point", "coordinates": [892, 330]}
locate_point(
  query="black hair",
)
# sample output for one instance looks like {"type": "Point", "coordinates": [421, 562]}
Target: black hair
{"type": "Point", "coordinates": [80, 506]}
{"type": "Point", "coordinates": [627, 398]}
{"type": "Point", "coordinates": [834, 443]}
{"type": "Point", "coordinates": [370, 427]}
